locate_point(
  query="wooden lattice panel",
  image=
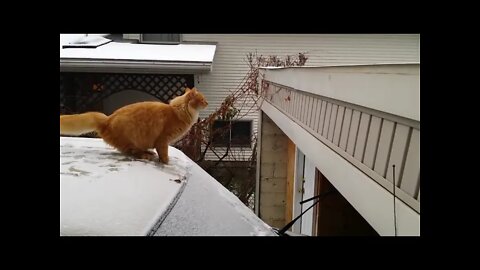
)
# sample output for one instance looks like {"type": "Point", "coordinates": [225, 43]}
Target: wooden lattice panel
{"type": "Point", "coordinates": [80, 91]}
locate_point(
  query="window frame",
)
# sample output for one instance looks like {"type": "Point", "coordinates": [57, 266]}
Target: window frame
{"type": "Point", "coordinates": [232, 144]}
{"type": "Point", "coordinates": [142, 40]}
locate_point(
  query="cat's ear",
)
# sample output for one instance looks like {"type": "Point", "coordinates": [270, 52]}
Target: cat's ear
{"type": "Point", "coordinates": [189, 94]}
{"type": "Point", "coordinates": [187, 90]}
{"type": "Point", "coordinates": [194, 89]}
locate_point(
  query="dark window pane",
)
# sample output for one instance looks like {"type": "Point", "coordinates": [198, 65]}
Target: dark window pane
{"type": "Point", "coordinates": [241, 133]}
{"type": "Point", "coordinates": [220, 133]}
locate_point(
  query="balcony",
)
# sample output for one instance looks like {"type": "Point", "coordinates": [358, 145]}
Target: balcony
{"type": "Point", "coordinates": [367, 114]}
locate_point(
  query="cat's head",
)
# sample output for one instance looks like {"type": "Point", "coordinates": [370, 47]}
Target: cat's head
{"type": "Point", "coordinates": [196, 99]}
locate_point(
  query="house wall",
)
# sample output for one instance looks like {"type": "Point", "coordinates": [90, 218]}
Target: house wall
{"type": "Point", "coordinates": [273, 173]}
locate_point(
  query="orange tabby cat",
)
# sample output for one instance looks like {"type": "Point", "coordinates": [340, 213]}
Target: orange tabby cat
{"type": "Point", "coordinates": [137, 127]}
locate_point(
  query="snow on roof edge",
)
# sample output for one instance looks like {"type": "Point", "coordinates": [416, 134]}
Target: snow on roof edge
{"type": "Point", "coordinates": [138, 51]}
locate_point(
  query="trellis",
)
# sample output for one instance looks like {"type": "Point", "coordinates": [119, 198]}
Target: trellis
{"type": "Point", "coordinates": [79, 92]}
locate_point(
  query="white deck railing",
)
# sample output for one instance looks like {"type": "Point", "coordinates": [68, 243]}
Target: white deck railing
{"type": "Point", "coordinates": [370, 139]}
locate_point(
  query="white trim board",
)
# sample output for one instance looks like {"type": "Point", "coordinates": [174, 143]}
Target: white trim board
{"type": "Point", "coordinates": [394, 89]}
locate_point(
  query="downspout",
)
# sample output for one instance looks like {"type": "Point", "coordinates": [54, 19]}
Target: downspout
{"type": "Point", "coordinates": [259, 161]}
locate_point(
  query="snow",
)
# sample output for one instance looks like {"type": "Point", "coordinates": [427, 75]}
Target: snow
{"type": "Point", "coordinates": [103, 192]}
{"type": "Point", "coordinates": [90, 41]}
{"type": "Point", "coordinates": [140, 52]}
{"type": "Point", "coordinates": [206, 208]}
{"type": "Point", "coordinates": [68, 38]}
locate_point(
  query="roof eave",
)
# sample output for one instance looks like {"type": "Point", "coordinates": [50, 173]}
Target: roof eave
{"type": "Point", "coordinates": [129, 66]}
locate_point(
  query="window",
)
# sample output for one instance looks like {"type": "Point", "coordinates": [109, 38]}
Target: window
{"type": "Point", "coordinates": [160, 38]}
{"type": "Point", "coordinates": [238, 134]}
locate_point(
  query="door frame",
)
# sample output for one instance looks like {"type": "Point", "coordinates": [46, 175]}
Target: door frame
{"type": "Point", "coordinates": [298, 189]}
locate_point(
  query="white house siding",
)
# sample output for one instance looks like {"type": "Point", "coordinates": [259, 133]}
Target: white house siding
{"type": "Point", "coordinates": [230, 66]}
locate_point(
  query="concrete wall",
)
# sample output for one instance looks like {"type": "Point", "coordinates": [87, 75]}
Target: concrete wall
{"type": "Point", "coordinates": [273, 173]}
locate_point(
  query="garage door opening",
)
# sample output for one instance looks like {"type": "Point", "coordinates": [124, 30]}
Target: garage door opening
{"type": "Point", "coordinates": [334, 215]}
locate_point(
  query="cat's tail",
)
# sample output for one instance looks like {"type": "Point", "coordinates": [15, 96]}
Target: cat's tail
{"type": "Point", "coordinates": [78, 124]}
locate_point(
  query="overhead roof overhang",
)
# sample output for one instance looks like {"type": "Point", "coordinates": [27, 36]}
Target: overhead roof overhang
{"type": "Point", "coordinates": [136, 58]}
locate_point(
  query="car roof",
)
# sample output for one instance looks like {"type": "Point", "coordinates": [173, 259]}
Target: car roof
{"type": "Point", "coordinates": [206, 208]}
{"type": "Point", "coordinates": [103, 192]}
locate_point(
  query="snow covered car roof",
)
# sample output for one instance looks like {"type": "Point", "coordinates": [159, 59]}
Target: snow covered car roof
{"type": "Point", "coordinates": [103, 192]}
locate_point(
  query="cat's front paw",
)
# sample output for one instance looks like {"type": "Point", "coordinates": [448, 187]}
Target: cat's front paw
{"type": "Point", "coordinates": [148, 155]}
{"type": "Point", "coordinates": [163, 160]}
